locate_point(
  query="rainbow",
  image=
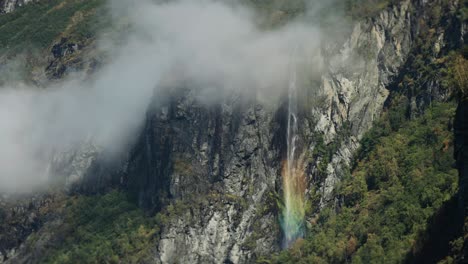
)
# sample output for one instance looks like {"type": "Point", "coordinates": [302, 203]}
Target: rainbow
{"type": "Point", "coordinates": [293, 175]}
{"type": "Point", "coordinates": [293, 213]}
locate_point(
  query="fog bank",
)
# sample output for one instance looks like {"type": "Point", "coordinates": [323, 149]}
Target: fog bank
{"type": "Point", "coordinates": [214, 46]}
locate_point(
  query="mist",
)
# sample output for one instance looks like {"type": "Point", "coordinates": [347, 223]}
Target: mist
{"type": "Point", "coordinates": [215, 47]}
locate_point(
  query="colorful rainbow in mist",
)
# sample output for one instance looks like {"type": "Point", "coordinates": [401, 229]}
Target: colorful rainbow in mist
{"type": "Point", "coordinates": [292, 219]}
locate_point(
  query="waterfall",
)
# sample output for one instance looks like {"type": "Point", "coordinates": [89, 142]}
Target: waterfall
{"type": "Point", "coordinates": [293, 173]}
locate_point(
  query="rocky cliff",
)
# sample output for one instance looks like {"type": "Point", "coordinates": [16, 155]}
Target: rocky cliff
{"type": "Point", "coordinates": [214, 171]}
{"type": "Point", "coordinates": [224, 162]}
{"type": "Point", "coordinates": [8, 6]}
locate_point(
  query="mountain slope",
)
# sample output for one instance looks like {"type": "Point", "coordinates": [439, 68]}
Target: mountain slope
{"type": "Point", "coordinates": [376, 130]}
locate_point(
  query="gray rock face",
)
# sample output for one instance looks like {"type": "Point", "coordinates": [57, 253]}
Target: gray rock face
{"type": "Point", "coordinates": [214, 170]}
{"type": "Point", "coordinates": [219, 161]}
{"type": "Point", "coordinates": [8, 6]}
{"type": "Point", "coordinates": [21, 216]}
{"type": "Point", "coordinates": [355, 86]}
{"type": "Point", "coordinates": [223, 162]}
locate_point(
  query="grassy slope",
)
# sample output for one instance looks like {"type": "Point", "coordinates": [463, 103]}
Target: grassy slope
{"type": "Point", "coordinates": [38, 24]}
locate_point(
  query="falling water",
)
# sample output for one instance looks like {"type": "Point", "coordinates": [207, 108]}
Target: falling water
{"type": "Point", "coordinates": [293, 173]}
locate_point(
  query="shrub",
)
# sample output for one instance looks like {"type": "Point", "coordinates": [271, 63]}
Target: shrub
{"type": "Point", "coordinates": [105, 229]}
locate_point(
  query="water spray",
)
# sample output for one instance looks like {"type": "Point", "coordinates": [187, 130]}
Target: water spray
{"type": "Point", "coordinates": [292, 219]}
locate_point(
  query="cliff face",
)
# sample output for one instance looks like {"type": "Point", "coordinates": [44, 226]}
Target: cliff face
{"type": "Point", "coordinates": [214, 171]}
{"type": "Point", "coordinates": [8, 6]}
{"type": "Point", "coordinates": [356, 85]}
{"type": "Point", "coordinates": [224, 162]}
{"type": "Point", "coordinates": [22, 216]}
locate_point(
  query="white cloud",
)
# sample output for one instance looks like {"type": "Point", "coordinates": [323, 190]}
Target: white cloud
{"type": "Point", "coordinates": [210, 45]}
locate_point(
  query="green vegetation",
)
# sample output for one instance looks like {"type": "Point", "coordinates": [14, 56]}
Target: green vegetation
{"type": "Point", "coordinates": [272, 13]}
{"type": "Point", "coordinates": [458, 247]}
{"type": "Point", "coordinates": [287, 6]}
{"type": "Point", "coordinates": [366, 8]}
{"type": "Point", "coordinates": [428, 62]}
{"type": "Point", "coordinates": [38, 24]}
{"type": "Point", "coordinates": [332, 15]}
{"type": "Point", "coordinates": [402, 179]}
{"type": "Point", "coordinates": [357, 9]}
{"type": "Point", "coordinates": [463, 11]}
{"type": "Point", "coordinates": [457, 73]}
{"type": "Point", "coordinates": [104, 229]}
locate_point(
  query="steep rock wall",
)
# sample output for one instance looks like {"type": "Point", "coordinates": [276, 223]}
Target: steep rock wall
{"type": "Point", "coordinates": [221, 162]}
{"type": "Point", "coordinates": [355, 87]}
{"type": "Point", "coordinates": [224, 162]}
{"type": "Point", "coordinates": [214, 171]}
{"type": "Point", "coordinates": [8, 6]}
